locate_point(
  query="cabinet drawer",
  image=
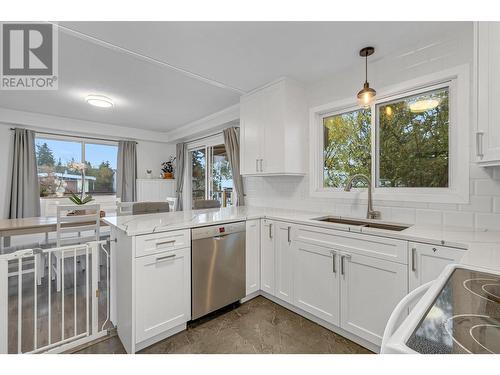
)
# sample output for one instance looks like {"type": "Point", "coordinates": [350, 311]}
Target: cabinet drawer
{"type": "Point", "coordinates": [363, 244]}
{"type": "Point", "coordinates": [154, 243]}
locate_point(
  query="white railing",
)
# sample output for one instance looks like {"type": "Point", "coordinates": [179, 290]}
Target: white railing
{"type": "Point", "coordinates": [29, 301]}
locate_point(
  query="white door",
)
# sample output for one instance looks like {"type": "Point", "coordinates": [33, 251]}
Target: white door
{"type": "Point", "coordinates": [488, 92]}
{"type": "Point", "coordinates": [163, 292]}
{"type": "Point", "coordinates": [370, 290]}
{"type": "Point", "coordinates": [316, 282]}
{"type": "Point", "coordinates": [283, 266]}
{"type": "Point", "coordinates": [252, 261]}
{"type": "Point", "coordinates": [428, 261]}
{"type": "Point", "coordinates": [267, 283]}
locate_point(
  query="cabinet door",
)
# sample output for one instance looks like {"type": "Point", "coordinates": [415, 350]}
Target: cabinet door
{"type": "Point", "coordinates": [370, 290]}
{"type": "Point", "coordinates": [428, 261]}
{"type": "Point", "coordinates": [252, 251]}
{"type": "Point", "coordinates": [267, 283]}
{"type": "Point", "coordinates": [163, 292]}
{"type": "Point", "coordinates": [488, 92]}
{"type": "Point", "coordinates": [148, 190]}
{"type": "Point", "coordinates": [251, 130]}
{"type": "Point", "coordinates": [316, 287]}
{"type": "Point", "coordinates": [273, 139]}
{"type": "Point", "coordinates": [283, 259]}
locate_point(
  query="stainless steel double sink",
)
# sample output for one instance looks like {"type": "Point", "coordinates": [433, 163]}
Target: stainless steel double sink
{"type": "Point", "coordinates": [362, 223]}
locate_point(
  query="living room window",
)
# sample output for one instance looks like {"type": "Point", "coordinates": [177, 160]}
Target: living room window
{"type": "Point", "coordinates": [69, 164]}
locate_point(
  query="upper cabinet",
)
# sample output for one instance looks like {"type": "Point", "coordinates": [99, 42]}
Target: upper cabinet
{"type": "Point", "coordinates": [487, 38]}
{"type": "Point", "coordinates": [273, 123]}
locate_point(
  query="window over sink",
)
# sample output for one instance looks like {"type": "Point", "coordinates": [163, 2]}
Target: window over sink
{"type": "Point", "coordinates": [412, 143]}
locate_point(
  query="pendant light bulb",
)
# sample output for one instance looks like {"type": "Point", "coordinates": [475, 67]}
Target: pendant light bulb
{"type": "Point", "coordinates": [367, 95]}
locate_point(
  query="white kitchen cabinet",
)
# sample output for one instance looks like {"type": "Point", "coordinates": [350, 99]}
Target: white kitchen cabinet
{"type": "Point", "coordinates": [283, 261]}
{"type": "Point", "coordinates": [267, 255]}
{"type": "Point", "coordinates": [428, 261]}
{"type": "Point", "coordinates": [273, 124]}
{"type": "Point", "coordinates": [155, 190]}
{"type": "Point", "coordinates": [487, 38]}
{"type": "Point", "coordinates": [252, 257]}
{"type": "Point", "coordinates": [316, 282]}
{"type": "Point", "coordinates": [163, 290]}
{"type": "Point", "coordinates": [370, 290]}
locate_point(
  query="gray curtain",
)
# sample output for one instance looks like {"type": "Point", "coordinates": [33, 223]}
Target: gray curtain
{"type": "Point", "coordinates": [232, 143]}
{"type": "Point", "coordinates": [25, 190]}
{"type": "Point", "coordinates": [180, 166]}
{"type": "Point", "coordinates": [126, 172]}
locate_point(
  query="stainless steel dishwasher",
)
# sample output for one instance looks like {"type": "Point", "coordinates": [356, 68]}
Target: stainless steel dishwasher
{"type": "Point", "coordinates": [217, 267]}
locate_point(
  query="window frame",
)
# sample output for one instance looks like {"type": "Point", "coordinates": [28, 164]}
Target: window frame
{"type": "Point", "coordinates": [82, 141]}
{"type": "Point", "coordinates": [457, 80]}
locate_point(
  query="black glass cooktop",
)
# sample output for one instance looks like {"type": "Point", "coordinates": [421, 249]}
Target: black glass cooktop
{"type": "Point", "coordinates": [464, 318]}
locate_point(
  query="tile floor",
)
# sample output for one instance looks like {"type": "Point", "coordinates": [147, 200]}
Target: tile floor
{"type": "Point", "coordinates": [257, 326]}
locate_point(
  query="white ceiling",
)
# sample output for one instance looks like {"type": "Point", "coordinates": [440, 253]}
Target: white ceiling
{"type": "Point", "coordinates": [163, 75]}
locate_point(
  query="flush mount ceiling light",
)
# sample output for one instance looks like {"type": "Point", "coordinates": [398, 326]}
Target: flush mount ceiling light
{"type": "Point", "coordinates": [99, 101]}
{"type": "Point", "coordinates": [367, 94]}
{"type": "Point", "coordinates": [423, 105]}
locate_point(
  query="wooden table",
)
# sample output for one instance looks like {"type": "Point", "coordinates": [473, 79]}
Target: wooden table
{"type": "Point", "coordinates": [29, 225]}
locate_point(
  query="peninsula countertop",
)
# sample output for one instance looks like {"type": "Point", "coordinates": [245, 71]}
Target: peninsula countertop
{"type": "Point", "coordinates": [438, 235]}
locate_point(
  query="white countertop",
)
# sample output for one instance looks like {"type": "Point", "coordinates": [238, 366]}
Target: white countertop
{"type": "Point", "coordinates": [155, 223]}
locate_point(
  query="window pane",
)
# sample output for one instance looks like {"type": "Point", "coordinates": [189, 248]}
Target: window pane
{"type": "Point", "coordinates": [346, 148]}
{"type": "Point", "coordinates": [100, 174]}
{"type": "Point", "coordinates": [222, 179]}
{"type": "Point", "coordinates": [198, 167]}
{"type": "Point", "coordinates": [413, 141]}
{"type": "Point", "coordinates": [54, 160]}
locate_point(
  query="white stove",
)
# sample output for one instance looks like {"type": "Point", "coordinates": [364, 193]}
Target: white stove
{"type": "Point", "coordinates": [458, 314]}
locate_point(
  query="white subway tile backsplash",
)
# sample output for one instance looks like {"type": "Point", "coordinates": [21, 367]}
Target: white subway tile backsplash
{"type": "Point", "coordinates": [429, 217]}
{"type": "Point", "coordinates": [488, 221]}
{"type": "Point", "coordinates": [487, 187]}
{"type": "Point", "coordinates": [458, 219]}
{"type": "Point", "coordinates": [477, 204]}
{"type": "Point", "coordinates": [404, 215]}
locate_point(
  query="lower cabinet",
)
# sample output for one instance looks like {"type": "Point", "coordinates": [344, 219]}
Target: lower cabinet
{"type": "Point", "coordinates": [316, 281]}
{"type": "Point", "coordinates": [252, 257]}
{"type": "Point", "coordinates": [283, 261]}
{"type": "Point", "coordinates": [163, 292]}
{"type": "Point", "coordinates": [428, 261]}
{"type": "Point", "coordinates": [370, 289]}
{"type": "Point", "coordinates": [267, 252]}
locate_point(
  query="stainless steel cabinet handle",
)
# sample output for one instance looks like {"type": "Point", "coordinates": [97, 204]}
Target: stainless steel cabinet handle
{"type": "Point", "coordinates": [270, 230]}
{"type": "Point", "coordinates": [479, 144]}
{"type": "Point", "coordinates": [261, 165]}
{"type": "Point", "coordinates": [413, 259]}
{"type": "Point", "coordinates": [334, 258]}
{"type": "Point", "coordinates": [289, 239]}
{"type": "Point", "coordinates": [256, 165]}
{"type": "Point", "coordinates": [342, 263]}
{"type": "Point", "coordinates": [164, 242]}
{"type": "Point", "coordinates": [165, 257]}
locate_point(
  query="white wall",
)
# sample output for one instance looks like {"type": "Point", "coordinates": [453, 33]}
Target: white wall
{"type": "Point", "coordinates": [483, 211]}
{"type": "Point", "coordinates": [150, 155]}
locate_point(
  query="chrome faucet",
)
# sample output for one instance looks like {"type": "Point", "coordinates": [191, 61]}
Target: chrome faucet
{"type": "Point", "coordinates": [370, 213]}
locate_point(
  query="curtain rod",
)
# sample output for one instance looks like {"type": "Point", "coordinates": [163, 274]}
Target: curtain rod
{"type": "Point", "coordinates": [76, 136]}
{"type": "Point", "coordinates": [206, 136]}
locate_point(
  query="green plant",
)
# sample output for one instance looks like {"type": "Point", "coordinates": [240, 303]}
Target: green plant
{"type": "Point", "coordinates": [168, 166]}
{"type": "Point", "coordinates": [79, 200]}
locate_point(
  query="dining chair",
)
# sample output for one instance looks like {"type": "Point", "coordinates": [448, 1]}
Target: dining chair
{"type": "Point", "coordinates": [141, 208]}
{"type": "Point", "coordinates": [206, 203]}
{"type": "Point", "coordinates": [123, 208]}
{"type": "Point", "coordinates": [75, 225]}
{"type": "Point", "coordinates": [172, 202]}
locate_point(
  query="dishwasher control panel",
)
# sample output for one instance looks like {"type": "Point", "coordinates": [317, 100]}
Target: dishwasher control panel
{"type": "Point", "coordinates": [217, 230]}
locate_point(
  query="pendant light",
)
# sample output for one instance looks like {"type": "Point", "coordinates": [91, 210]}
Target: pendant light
{"type": "Point", "coordinates": [367, 94]}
